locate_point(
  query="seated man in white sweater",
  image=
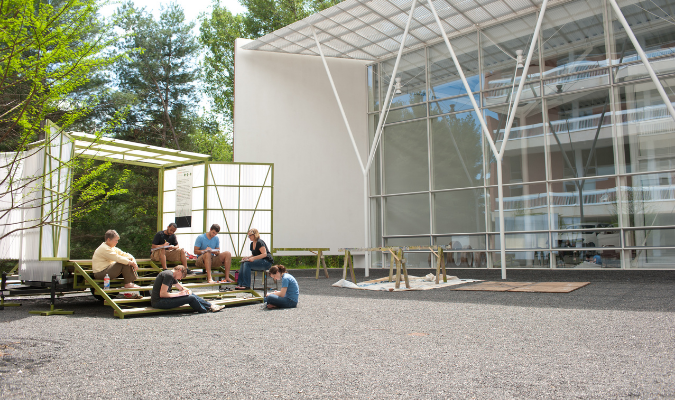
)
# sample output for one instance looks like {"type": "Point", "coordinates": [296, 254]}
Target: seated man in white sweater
{"type": "Point", "coordinates": [111, 261]}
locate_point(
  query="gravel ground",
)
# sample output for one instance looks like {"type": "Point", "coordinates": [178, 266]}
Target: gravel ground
{"type": "Point", "coordinates": [614, 338]}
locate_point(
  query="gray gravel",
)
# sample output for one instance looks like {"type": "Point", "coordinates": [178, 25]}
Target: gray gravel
{"type": "Point", "coordinates": [611, 339]}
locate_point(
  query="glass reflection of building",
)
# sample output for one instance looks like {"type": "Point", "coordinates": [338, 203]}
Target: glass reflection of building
{"type": "Point", "coordinates": [590, 162]}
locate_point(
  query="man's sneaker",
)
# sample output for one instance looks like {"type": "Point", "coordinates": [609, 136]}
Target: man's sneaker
{"type": "Point", "coordinates": [264, 305]}
{"type": "Point", "coordinates": [191, 272]}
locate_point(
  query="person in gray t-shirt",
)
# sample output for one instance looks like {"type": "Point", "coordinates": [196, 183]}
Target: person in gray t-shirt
{"type": "Point", "coordinates": [163, 298]}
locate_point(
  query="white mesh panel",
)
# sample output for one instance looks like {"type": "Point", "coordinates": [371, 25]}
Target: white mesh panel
{"type": "Point", "coordinates": [198, 175]}
{"type": "Point", "coordinates": [198, 198]}
{"type": "Point", "coordinates": [224, 174]}
{"type": "Point", "coordinates": [255, 175]}
{"type": "Point", "coordinates": [249, 197]}
{"type": "Point", "coordinates": [168, 218]}
{"type": "Point", "coordinates": [262, 220]}
{"type": "Point", "coordinates": [170, 179]}
{"type": "Point", "coordinates": [169, 204]}
{"type": "Point", "coordinates": [197, 222]}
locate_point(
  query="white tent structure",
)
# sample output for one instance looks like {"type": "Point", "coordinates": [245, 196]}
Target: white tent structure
{"type": "Point", "coordinates": [193, 191]}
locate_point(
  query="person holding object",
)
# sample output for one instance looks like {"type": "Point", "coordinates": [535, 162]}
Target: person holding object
{"type": "Point", "coordinates": [207, 248]}
{"type": "Point", "coordinates": [259, 260]}
{"type": "Point", "coordinates": [111, 261]}
{"type": "Point", "coordinates": [163, 298]}
{"type": "Point", "coordinates": [165, 247]}
{"type": "Point", "coordinates": [287, 297]}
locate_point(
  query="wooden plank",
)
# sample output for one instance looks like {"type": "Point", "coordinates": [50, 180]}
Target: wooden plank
{"type": "Point", "coordinates": [148, 298]}
{"type": "Point", "coordinates": [551, 287]}
{"type": "Point", "coordinates": [226, 302]}
{"type": "Point", "coordinates": [494, 286]}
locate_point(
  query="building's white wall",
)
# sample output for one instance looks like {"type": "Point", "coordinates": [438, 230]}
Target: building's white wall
{"type": "Point", "coordinates": [286, 113]}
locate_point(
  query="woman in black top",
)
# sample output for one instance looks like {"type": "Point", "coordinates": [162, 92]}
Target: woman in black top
{"type": "Point", "coordinates": [259, 260]}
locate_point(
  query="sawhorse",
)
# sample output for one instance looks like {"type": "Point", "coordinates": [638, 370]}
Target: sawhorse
{"type": "Point", "coordinates": [320, 259]}
{"type": "Point", "coordinates": [4, 291]}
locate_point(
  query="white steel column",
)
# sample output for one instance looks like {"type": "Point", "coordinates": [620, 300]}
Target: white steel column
{"type": "Point", "coordinates": [337, 97]}
{"type": "Point", "coordinates": [499, 155]}
{"type": "Point", "coordinates": [385, 105]}
{"type": "Point", "coordinates": [643, 57]}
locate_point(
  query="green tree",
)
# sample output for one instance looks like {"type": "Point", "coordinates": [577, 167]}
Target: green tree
{"type": "Point", "coordinates": [219, 31]}
{"type": "Point", "coordinates": [48, 53]}
{"type": "Point", "coordinates": [160, 74]}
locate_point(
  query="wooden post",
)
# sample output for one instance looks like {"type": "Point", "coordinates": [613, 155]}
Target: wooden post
{"type": "Point", "coordinates": [348, 261]}
{"type": "Point", "coordinates": [321, 260]}
{"type": "Point", "coordinates": [398, 268]}
{"type": "Point", "coordinates": [391, 265]}
{"type": "Point", "coordinates": [439, 260]}
{"type": "Point", "coordinates": [405, 271]}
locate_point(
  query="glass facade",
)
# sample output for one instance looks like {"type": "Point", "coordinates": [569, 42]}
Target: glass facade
{"type": "Point", "coordinates": [588, 168]}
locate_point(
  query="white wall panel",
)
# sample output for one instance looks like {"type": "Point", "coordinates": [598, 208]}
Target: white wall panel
{"type": "Point", "coordinates": [285, 102]}
{"type": "Point", "coordinates": [169, 201]}
{"type": "Point", "coordinates": [256, 175]}
{"type": "Point", "coordinates": [170, 179]}
{"type": "Point", "coordinates": [198, 175]}
{"type": "Point", "coordinates": [198, 198]}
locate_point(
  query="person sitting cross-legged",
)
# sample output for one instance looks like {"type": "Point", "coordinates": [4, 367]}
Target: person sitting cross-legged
{"type": "Point", "coordinates": [111, 261]}
{"type": "Point", "coordinates": [288, 296]}
{"type": "Point", "coordinates": [165, 247]}
{"type": "Point", "coordinates": [164, 299]}
{"type": "Point", "coordinates": [207, 247]}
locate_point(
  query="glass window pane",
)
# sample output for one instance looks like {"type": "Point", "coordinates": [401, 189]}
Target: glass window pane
{"type": "Point", "coordinates": [580, 133]}
{"type": "Point", "coordinates": [445, 80]}
{"type": "Point", "coordinates": [568, 83]}
{"type": "Point", "coordinates": [375, 169]}
{"type": "Point", "coordinates": [584, 204]}
{"type": "Point", "coordinates": [376, 222]}
{"type": "Point", "coordinates": [407, 215]}
{"type": "Point", "coordinates": [404, 114]}
{"type": "Point", "coordinates": [646, 127]}
{"type": "Point", "coordinates": [408, 241]}
{"type": "Point", "coordinates": [664, 237]}
{"type": "Point", "coordinates": [574, 41]}
{"type": "Point", "coordinates": [503, 45]}
{"type": "Point", "coordinates": [648, 201]}
{"type": "Point", "coordinates": [524, 159]}
{"type": "Point", "coordinates": [373, 87]}
{"type": "Point", "coordinates": [452, 105]}
{"type": "Point", "coordinates": [456, 142]}
{"type": "Point", "coordinates": [520, 241]}
{"type": "Point", "coordinates": [457, 242]}
{"type": "Point", "coordinates": [461, 211]}
{"type": "Point", "coordinates": [652, 24]}
{"type": "Point", "coordinates": [525, 208]}
{"type": "Point", "coordinates": [588, 259]}
{"type": "Point", "coordinates": [522, 259]}
{"type": "Point", "coordinates": [646, 258]}
{"type": "Point", "coordinates": [405, 148]}
{"type": "Point", "coordinates": [412, 78]}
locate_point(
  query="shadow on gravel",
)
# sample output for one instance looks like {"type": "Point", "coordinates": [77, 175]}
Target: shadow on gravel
{"type": "Point", "coordinates": [609, 290]}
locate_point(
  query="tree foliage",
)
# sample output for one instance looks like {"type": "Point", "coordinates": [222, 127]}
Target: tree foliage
{"type": "Point", "coordinates": [48, 54]}
{"type": "Point", "coordinates": [160, 73]}
{"type": "Point", "coordinates": [219, 31]}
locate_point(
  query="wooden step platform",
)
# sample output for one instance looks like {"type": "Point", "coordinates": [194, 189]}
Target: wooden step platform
{"type": "Point", "coordinates": [83, 278]}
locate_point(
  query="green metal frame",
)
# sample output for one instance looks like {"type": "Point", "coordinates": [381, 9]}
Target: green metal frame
{"type": "Point", "coordinates": [229, 231]}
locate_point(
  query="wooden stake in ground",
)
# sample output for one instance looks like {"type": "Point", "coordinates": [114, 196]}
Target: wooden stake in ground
{"type": "Point", "coordinates": [440, 263]}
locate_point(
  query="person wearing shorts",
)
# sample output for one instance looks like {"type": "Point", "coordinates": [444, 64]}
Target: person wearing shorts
{"type": "Point", "coordinates": [207, 248]}
{"type": "Point", "coordinates": [165, 247]}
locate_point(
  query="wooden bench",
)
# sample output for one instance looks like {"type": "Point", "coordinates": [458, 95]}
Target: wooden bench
{"type": "Point", "coordinates": [83, 278]}
{"type": "Point", "coordinates": [320, 259]}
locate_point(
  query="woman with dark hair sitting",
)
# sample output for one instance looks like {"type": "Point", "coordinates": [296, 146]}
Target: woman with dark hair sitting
{"type": "Point", "coordinates": [287, 297]}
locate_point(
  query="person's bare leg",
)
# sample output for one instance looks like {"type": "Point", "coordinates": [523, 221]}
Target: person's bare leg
{"type": "Point", "coordinates": [226, 261]}
{"type": "Point", "coordinates": [207, 266]}
{"type": "Point", "coordinates": [183, 259]}
{"type": "Point", "coordinates": [162, 257]}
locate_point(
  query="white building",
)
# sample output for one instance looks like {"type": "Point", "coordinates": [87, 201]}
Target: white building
{"type": "Point", "coordinates": [589, 161]}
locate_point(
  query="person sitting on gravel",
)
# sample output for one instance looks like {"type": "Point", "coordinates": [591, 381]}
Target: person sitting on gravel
{"type": "Point", "coordinates": [163, 298]}
{"type": "Point", "coordinates": [287, 297]}
{"type": "Point", "coordinates": [165, 247]}
{"type": "Point", "coordinates": [111, 261]}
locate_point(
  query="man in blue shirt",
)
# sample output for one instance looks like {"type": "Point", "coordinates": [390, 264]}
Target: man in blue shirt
{"type": "Point", "coordinates": [207, 247]}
